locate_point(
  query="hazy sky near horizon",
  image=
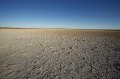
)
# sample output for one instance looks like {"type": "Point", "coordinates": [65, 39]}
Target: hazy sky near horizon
{"type": "Point", "coordinates": [85, 14]}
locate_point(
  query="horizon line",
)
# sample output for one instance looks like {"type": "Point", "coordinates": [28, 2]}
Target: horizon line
{"type": "Point", "coordinates": [55, 28]}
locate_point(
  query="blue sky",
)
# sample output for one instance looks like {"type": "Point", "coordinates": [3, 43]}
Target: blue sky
{"type": "Point", "coordinates": [82, 14]}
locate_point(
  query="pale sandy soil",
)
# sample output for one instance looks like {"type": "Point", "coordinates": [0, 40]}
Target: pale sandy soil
{"type": "Point", "coordinates": [59, 54]}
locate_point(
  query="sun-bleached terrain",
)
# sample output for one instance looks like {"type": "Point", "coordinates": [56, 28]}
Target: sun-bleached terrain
{"type": "Point", "coordinates": [59, 54]}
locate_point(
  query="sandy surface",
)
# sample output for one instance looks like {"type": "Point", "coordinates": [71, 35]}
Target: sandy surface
{"type": "Point", "coordinates": [59, 54]}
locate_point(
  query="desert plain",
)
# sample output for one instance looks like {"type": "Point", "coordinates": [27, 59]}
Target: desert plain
{"type": "Point", "coordinates": [59, 54]}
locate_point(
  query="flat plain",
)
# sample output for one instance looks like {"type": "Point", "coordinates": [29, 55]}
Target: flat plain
{"type": "Point", "coordinates": [59, 54]}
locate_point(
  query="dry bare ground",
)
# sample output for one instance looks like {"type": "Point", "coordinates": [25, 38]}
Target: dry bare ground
{"type": "Point", "coordinates": [59, 54]}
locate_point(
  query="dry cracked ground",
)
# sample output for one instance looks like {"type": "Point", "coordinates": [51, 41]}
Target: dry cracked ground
{"type": "Point", "coordinates": [59, 54]}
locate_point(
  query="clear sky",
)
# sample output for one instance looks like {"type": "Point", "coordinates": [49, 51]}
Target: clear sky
{"type": "Point", "coordinates": [82, 14]}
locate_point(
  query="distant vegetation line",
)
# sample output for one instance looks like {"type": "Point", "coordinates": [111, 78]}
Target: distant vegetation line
{"type": "Point", "coordinates": [55, 28]}
{"type": "Point", "coordinates": [7, 27]}
{"type": "Point", "coordinates": [16, 28]}
{"type": "Point", "coordinates": [28, 28]}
